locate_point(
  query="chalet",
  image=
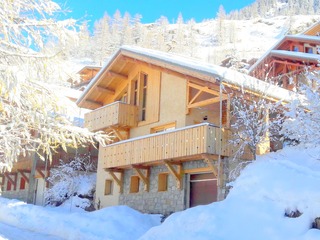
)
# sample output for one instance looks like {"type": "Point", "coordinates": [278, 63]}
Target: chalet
{"type": "Point", "coordinates": [171, 118]}
{"type": "Point", "coordinates": [289, 57]}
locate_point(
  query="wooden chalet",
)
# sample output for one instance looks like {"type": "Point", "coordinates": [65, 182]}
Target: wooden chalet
{"type": "Point", "coordinates": [284, 62]}
{"type": "Point", "coordinates": [171, 118]}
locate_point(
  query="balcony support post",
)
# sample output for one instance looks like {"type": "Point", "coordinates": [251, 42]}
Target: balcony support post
{"type": "Point", "coordinates": [119, 181]}
{"type": "Point", "coordinates": [12, 181]}
{"type": "Point", "coordinates": [211, 165]}
{"type": "Point", "coordinates": [176, 173]}
{"type": "Point", "coordinates": [144, 177]}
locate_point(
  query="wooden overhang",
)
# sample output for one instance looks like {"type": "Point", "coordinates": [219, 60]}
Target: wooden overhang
{"type": "Point", "coordinates": [112, 79]}
{"type": "Point", "coordinates": [314, 30]}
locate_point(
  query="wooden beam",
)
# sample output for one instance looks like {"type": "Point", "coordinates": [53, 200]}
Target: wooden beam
{"type": "Point", "coordinates": [24, 176]}
{"type": "Point", "coordinates": [206, 102]}
{"type": "Point", "coordinates": [94, 104]}
{"type": "Point", "coordinates": [2, 179]}
{"type": "Point", "coordinates": [204, 88]}
{"type": "Point", "coordinates": [211, 165]}
{"type": "Point", "coordinates": [105, 90]}
{"type": "Point", "coordinates": [41, 173]}
{"type": "Point", "coordinates": [118, 181]}
{"type": "Point", "coordinates": [177, 174]}
{"type": "Point", "coordinates": [145, 178]}
{"type": "Point", "coordinates": [118, 134]}
{"type": "Point", "coordinates": [13, 182]}
{"type": "Point", "coordinates": [181, 72]}
{"type": "Point", "coordinates": [117, 75]}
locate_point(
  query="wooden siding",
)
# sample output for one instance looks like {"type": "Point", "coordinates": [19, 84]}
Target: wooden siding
{"type": "Point", "coordinates": [177, 144]}
{"type": "Point", "coordinates": [314, 31]}
{"type": "Point", "coordinates": [115, 114]}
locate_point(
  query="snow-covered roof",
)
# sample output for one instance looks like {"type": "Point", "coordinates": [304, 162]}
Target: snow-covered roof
{"type": "Point", "coordinates": [212, 72]}
{"type": "Point", "coordinates": [299, 37]}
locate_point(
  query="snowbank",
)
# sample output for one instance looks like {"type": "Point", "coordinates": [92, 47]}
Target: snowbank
{"type": "Point", "coordinates": [277, 183]}
{"type": "Point", "coordinates": [119, 222]}
{"type": "Point", "coordinates": [255, 208]}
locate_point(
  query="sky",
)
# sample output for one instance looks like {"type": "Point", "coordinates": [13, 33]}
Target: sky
{"type": "Point", "coordinates": [199, 10]}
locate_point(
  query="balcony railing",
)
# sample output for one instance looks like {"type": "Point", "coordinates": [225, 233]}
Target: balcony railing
{"type": "Point", "coordinates": [116, 114]}
{"type": "Point", "coordinates": [185, 143]}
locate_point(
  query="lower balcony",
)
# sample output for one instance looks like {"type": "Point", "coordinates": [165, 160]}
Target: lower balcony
{"type": "Point", "coordinates": [189, 143]}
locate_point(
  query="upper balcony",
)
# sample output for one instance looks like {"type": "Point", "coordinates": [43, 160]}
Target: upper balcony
{"type": "Point", "coordinates": [189, 143]}
{"type": "Point", "coordinates": [117, 114]}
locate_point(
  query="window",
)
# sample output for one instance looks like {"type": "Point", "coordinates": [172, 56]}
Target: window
{"type": "Point", "coordinates": [108, 187]}
{"type": "Point", "coordinates": [162, 182]}
{"type": "Point", "coordinates": [22, 183]}
{"type": "Point", "coordinates": [143, 98]}
{"type": "Point", "coordinates": [309, 50]}
{"type": "Point", "coordinates": [295, 49]}
{"type": "Point", "coordinates": [134, 184]}
{"type": "Point", "coordinates": [139, 94]}
{"type": "Point", "coordinates": [163, 128]}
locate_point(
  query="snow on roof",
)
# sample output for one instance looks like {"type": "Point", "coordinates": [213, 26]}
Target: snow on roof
{"type": "Point", "coordinates": [224, 75]}
{"type": "Point", "coordinates": [299, 37]}
{"type": "Point", "coordinates": [296, 55]}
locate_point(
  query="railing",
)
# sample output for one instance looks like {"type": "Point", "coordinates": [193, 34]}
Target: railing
{"type": "Point", "coordinates": [189, 142]}
{"type": "Point", "coordinates": [115, 114]}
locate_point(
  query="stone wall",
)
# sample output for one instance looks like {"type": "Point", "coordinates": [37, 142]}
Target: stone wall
{"type": "Point", "coordinates": [19, 194]}
{"type": "Point", "coordinates": [153, 201]}
{"type": "Point", "coordinates": [166, 202]}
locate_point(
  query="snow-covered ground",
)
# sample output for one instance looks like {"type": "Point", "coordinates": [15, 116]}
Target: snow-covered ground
{"type": "Point", "coordinates": [276, 183]}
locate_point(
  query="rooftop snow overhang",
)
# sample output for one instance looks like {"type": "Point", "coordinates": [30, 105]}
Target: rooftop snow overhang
{"type": "Point", "coordinates": [299, 38]}
{"type": "Point", "coordinates": [296, 56]}
{"type": "Point", "coordinates": [188, 67]}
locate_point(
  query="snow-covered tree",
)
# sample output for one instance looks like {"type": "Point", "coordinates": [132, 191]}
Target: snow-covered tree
{"type": "Point", "coordinates": [32, 42]}
{"type": "Point", "coordinates": [72, 179]}
{"type": "Point", "coordinates": [303, 114]}
{"type": "Point", "coordinates": [251, 125]}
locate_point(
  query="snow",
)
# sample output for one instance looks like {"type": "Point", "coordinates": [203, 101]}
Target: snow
{"type": "Point", "coordinates": [255, 208]}
{"type": "Point", "coordinates": [118, 222]}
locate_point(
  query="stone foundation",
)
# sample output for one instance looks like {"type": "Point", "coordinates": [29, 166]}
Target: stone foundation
{"type": "Point", "coordinates": [172, 200]}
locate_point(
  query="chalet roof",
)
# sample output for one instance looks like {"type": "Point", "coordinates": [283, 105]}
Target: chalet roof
{"type": "Point", "coordinates": [298, 37]}
{"type": "Point", "coordinates": [312, 28]}
{"type": "Point", "coordinates": [189, 67]}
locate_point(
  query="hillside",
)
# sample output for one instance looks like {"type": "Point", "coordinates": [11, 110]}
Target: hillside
{"type": "Point", "coordinates": [210, 41]}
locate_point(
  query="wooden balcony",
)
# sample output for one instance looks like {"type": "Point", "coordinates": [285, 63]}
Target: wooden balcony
{"type": "Point", "coordinates": [188, 143]}
{"type": "Point", "coordinates": [116, 114]}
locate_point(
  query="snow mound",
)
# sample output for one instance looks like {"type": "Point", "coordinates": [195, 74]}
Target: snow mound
{"type": "Point", "coordinates": [114, 223]}
{"type": "Point", "coordinates": [276, 183]}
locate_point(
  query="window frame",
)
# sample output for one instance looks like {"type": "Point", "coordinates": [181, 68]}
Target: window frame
{"type": "Point", "coordinates": [108, 187]}
{"type": "Point", "coordinates": [134, 184]}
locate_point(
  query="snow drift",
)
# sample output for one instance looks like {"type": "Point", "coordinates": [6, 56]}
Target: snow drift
{"type": "Point", "coordinates": [255, 208]}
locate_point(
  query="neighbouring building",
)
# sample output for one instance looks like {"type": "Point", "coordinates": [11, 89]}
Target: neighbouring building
{"type": "Point", "coordinates": [290, 56]}
{"type": "Point", "coordinates": [14, 183]}
{"type": "Point", "coordinates": [171, 118]}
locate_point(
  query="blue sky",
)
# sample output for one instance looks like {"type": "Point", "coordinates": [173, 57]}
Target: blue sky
{"type": "Point", "coordinates": [151, 10]}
